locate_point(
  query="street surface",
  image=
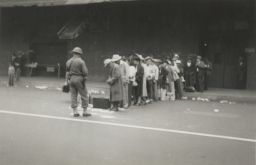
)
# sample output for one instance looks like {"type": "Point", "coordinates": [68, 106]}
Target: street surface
{"type": "Point", "coordinates": [36, 128]}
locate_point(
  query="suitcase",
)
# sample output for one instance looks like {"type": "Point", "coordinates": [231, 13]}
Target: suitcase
{"type": "Point", "coordinates": [102, 103]}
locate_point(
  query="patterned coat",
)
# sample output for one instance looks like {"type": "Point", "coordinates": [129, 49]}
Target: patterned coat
{"type": "Point", "coordinates": [115, 82]}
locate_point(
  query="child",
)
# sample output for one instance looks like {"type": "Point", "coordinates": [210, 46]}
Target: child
{"type": "Point", "coordinates": [11, 74]}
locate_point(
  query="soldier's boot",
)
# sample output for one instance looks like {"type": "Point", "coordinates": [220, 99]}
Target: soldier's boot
{"type": "Point", "coordinates": [85, 113]}
{"type": "Point", "coordinates": [75, 112]}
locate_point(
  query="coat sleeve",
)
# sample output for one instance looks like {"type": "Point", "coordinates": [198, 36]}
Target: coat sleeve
{"type": "Point", "coordinates": [67, 70]}
{"type": "Point", "coordinates": [116, 74]}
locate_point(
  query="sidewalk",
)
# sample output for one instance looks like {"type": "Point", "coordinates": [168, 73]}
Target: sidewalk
{"type": "Point", "coordinates": [213, 94]}
{"type": "Point", "coordinates": [53, 83]}
{"type": "Point", "coordinates": [224, 95]}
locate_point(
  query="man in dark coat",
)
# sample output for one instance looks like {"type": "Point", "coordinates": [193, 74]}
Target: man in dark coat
{"type": "Point", "coordinates": [76, 76]}
{"type": "Point", "coordinates": [242, 73]}
{"type": "Point", "coordinates": [190, 75]}
{"type": "Point", "coordinates": [115, 81]}
{"type": "Point", "coordinates": [208, 71]}
{"type": "Point", "coordinates": [200, 74]}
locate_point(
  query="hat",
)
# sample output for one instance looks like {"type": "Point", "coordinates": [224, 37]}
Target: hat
{"type": "Point", "coordinates": [199, 57]}
{"type": "Point", "coordinates": [176, 55]}
{"type": "Point", "coordinates": [107, 61]}
{"type": "Point", "coordinates": [168, 61]}
{"type": "Point", "coordinates": [139, 56]}
{"type": "Point", "coordinates": [116, 57]}
{"type": "Point", "coordinates": [77, 50]}
{"type": "Point", "coordinates": [174, 58]}
{"type": "Point", "coordinates": [178, 62]}
{"type": "Point", "coordinates": [157, 60]}
{"type": "Point", "coordinates": [148, 58]}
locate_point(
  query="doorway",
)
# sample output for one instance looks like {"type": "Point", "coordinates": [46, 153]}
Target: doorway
{"type": "Point", "coordinates": [50, 56]}
{"type": "Point", "coordinates": [225, 50]}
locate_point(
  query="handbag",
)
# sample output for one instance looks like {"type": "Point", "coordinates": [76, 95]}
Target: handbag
{"type": "Point", "coordinates": [65, 88]}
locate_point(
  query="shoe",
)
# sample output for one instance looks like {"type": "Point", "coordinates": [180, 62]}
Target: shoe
{"type": "Point", "coordinates": [86, 114]}
{"type": "Point", "coordinates": [76, 115]}
{"type": "Point", "coordinates": [126, 106]}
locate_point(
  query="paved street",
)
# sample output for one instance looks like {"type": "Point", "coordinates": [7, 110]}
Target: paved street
{"type": "Point", "coordinates": [37, 129]}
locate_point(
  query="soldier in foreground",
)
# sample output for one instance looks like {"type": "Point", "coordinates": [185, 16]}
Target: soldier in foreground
{"type": "Point", "coordinates": [76, 76]}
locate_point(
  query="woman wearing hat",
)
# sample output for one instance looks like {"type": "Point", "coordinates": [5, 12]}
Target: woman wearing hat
{"type": "Point", "coordinates": [76, 75]}
{"type": "Point", "coordinates": [114, 80]}
{"type": "Point", "coordinates": [139, 78]}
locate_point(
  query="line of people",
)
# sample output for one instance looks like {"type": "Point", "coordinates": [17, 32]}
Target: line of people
{"type": "Point", "coordinates": [138, 81]}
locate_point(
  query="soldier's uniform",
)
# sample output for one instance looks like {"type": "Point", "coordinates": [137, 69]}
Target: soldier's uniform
{"type": "Point", "coordinates": [77, 73]}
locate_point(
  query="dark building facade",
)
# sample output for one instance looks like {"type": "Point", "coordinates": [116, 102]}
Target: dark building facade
{"type": "Point", "coordinates": [222, 31]}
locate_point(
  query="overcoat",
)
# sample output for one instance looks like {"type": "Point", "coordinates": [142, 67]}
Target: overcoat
{"type": "Point", "coordinates": [139, 79]}
{"type": "Point", "coordinates": [190, 75]}
{"type": "Point", "coordinates": [115, 82]}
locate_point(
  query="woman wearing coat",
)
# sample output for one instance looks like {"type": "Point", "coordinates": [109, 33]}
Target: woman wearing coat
{"type": "Point", "coordinates": [139, 78]}
{"type": "Point", "coordinates": [115, 81]}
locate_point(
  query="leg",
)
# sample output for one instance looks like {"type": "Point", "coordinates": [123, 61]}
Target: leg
{"type": "Point", "coordinates": [18, 74]}
{"type": "Point", "coordinates": [126, 97]}
{"type": "Point", "coordinates": [172, 90]}
{"type": "Point", "coordinates": [74, 93]}
{"type": "Point", "coordinates": [82, 89]}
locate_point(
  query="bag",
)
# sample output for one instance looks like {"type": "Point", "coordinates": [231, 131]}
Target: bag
{"type": "Point", "coordinates": [189, 89]}
{"type": "Point", "coordinates": [65, 88]}
{"type": "Point", "coordinates": [102, 103]}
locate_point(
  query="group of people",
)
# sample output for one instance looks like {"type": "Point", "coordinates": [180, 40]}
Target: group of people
{"type": "Point", "coordinates": [14, 69]}
{"type": "Point", "coordinates": [138, 81]}
{"type": "Point", "coordinates": [17, 63]}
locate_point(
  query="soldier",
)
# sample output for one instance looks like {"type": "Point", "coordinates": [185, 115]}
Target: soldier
{"type": "Point", "coordinates": [76, 76]}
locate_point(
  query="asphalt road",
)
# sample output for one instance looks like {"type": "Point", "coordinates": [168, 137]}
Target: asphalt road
{"type": "Point", "coordinates": [36, 128]}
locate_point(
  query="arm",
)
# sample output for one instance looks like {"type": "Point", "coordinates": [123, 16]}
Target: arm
{"type": "Point", "coordinates": [84, 70]}
{"type": "Point", "coordinates": [67, 71]}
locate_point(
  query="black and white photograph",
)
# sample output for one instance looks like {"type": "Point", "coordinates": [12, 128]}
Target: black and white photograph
{"type": "Point", "coordinates": [127, 82]}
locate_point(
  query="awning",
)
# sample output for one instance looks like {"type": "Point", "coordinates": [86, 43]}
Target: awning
{"type": "Point", "coordinates": [71, 30]}
{"type": "Point", "coordinates": [13, 3]}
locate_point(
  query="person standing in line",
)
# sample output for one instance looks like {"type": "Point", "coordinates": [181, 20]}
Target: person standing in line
{"type": "Point", "coordinates": [200, 73]}
{"type": "Point", "coordinates": [132, 82]}
{"type": "Point", "coordinates": [180, 66]}
{"type": "Point", "coordinates": [177, 81]}
{"type": "Point", "coordinates": [163, 80]}
{"type": "Point", "coordinates": [115, 81]}
{"type": "Point", "coordinates": [172, 75]}
{"type": "Point", "coordinates": [146, 77]}
{"type": "Point", "coordinates": [190, 76]}
{"type": "Point", "coordinates": [17, 65]}
{"type": "Point", "coordinates": [149, 77]}
{"type": "Point", "coordinates": [124, 68]}
{"type": "Point", "coordinates": [208, 71]}
{"type": "Point", "coordinates": [155, 79]}
{"type": "Point", "coordinates": [241, 76]}
{"type": "Point", "coordinates": [76, 76]}
{"type": "Point", "coordinates": [11, 75]}
{"type": "Point", "coordinates": [139, 78]}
